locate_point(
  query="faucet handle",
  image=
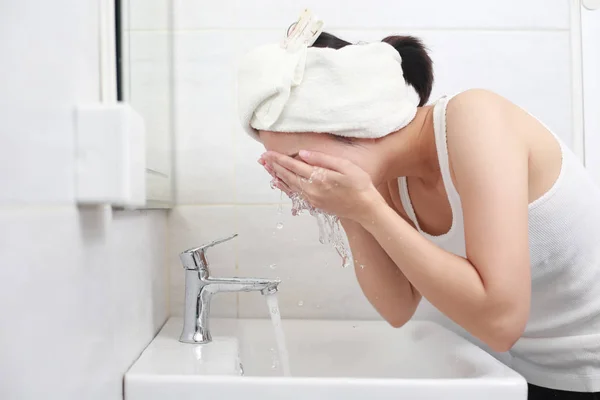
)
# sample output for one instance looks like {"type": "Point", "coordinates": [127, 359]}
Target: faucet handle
{"type": "Point", "coordinates": [195, 258]}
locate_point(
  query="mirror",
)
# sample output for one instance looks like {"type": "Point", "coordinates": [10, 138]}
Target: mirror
{"type": "Point", "coordinates": [144, 80]}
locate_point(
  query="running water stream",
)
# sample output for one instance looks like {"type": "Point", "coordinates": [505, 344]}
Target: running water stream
{"type": "Point", "coordinates": [279, 335]}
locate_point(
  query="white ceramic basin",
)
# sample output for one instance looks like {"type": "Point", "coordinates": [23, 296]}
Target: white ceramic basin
{"type": "Point", "coordinates": [347, 360]}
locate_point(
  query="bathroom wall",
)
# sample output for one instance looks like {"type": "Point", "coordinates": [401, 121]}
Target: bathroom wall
{"type": "Point", "coordinates": [521, 49]}
{"type": "Point", "coordinates": [590, 32]}
{"type": "Point", "coordinates": [82, 290]}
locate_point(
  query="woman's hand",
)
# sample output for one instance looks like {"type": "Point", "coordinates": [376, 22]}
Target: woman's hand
{"type": "Point", "coordinates": [332, 184]}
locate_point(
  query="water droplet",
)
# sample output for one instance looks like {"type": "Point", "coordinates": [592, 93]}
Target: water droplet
{"type": "Point", "coordinates": [300, 303]}
{"type": "Point", "coordinates": [362, 266]}
{"type": "Point", "coordinates": [280, 225]}
{"type": "Point", "coordinates": [376, 297]}
{"type": "Point", "coordinates": [273, 266]}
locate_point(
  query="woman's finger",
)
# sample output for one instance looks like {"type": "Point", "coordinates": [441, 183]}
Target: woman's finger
{"type": "Point", "coordinates": [323, 160]}
{"type": "Point", "coordinates": [288, 177]}
{"type": "Point", "coordinates": [298, 167]}
{"type": "Point", "coordinates": [269, 169]}
{"type": "Point", "coordinates": [279, 184]}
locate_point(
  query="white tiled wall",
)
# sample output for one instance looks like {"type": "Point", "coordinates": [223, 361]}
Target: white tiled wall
{"type": "Point", "coordinates": [82, 290]}
{"type": "Point", "coordinates": [591, 92]}
{"type": "Point", "coordinates": [517, 48]}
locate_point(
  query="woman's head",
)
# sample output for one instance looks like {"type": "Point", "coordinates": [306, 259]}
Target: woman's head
{"type": "Point", "coordinates": [416, 63]}
{"type": "Point", "coordinates": [418, 73]}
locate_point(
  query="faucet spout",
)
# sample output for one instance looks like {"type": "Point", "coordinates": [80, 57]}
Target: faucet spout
{"type": "Point", "coordinates": [216, 285]}
{"type": "Point", "coordinates": [199, 293]}
{"type": "Point", "coordinates": [200, 287]}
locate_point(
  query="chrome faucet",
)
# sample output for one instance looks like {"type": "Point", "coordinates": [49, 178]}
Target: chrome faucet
{"type": "Point", "coordinates": [200, 287]}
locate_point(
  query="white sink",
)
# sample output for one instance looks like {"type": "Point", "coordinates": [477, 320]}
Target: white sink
{"type": "Point", "coordinates": [347, 360]}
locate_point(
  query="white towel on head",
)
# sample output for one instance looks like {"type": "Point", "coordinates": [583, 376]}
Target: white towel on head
{"type": "Point", "coordinates": [357, 91]}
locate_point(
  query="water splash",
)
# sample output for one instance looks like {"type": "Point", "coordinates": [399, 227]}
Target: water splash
{"type": "Point", "coordinates": [273, 266]}
{"type": "Point", "coordinates": [330, 229]}
{"type": "Point", "coordinates": [300, 303]}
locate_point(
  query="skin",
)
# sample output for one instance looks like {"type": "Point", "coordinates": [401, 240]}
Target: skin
{"type": "Point", "coordinates": [501, 159]}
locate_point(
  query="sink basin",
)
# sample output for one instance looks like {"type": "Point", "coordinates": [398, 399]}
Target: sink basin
{"type": "Point", "coordinates": [329, 360]}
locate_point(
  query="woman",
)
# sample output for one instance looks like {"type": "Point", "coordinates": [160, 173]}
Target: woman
{"type": "Point", "coordinates": [470, 202]}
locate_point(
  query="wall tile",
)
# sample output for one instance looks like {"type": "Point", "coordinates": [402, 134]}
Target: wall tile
{"type": "Point", "coordinates": [524, 67]}
{"type": "Point", "coordinates": [192, 226]}
{"type": "Point", "coordinates": [149, 14]}
{"type": "Point", "coordinates": [91, 283]}
{"type": "Point", "coordinates": [252, 182]}
{"type": "Point", "coordinates": [41, 83]}
{"type": "Point", "coordinates": [204, 14]}
{"type": "Point", "coordinates": [426, 14]}
{"type": "Point", "coordinates": [314, 285]}
{"type": "Point", "coordinates": [435, 14]}
{"type": "Point", "coordinates": [35, 164]}
{"type": "Point", "coordinates": [279, 14]}
{"type": "Point", "coordinates": [204, 116]}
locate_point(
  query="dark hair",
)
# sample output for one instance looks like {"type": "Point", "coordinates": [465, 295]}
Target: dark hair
{"type": "Point", "coordinates": [416, 63]}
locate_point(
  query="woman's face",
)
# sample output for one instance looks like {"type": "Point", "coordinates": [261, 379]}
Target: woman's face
{"type": "Point", "coordinates": [361, 152]}
{"type": "Point", "coordinates": [291, 143]}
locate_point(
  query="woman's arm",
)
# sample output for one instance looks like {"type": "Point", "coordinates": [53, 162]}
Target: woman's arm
{"type": "Point", "coordinates": [489, 292]}
{"type": "Point", "coordinates": [381, 281]}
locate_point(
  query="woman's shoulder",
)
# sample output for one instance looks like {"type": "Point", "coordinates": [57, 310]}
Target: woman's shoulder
{"type": "Point", "coordinates": [477, 98]}
{"type": "Point", "coordinates": [478, 124]}
{"type": "Point", "coordinates": [476, 110]}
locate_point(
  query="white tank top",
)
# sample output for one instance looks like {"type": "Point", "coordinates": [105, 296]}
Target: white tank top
{"type": "Point", "coordinates": [560, 348]}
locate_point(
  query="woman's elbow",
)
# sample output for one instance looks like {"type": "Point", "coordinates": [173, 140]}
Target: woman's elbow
{"type": "Point", "coordinates": [503, 344]}
{"type": "Point", "coordinates": [397, 322]}
{"type": "Point", "coordinates": [504, 333]}
{"type": "Point", "coordinates": [400, 317]}
{"type": "Point", "coordinates": [397, 315]}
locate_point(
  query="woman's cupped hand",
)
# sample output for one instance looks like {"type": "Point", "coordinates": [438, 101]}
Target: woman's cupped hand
{"type": "Point", "coordinates": [334, 185]}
